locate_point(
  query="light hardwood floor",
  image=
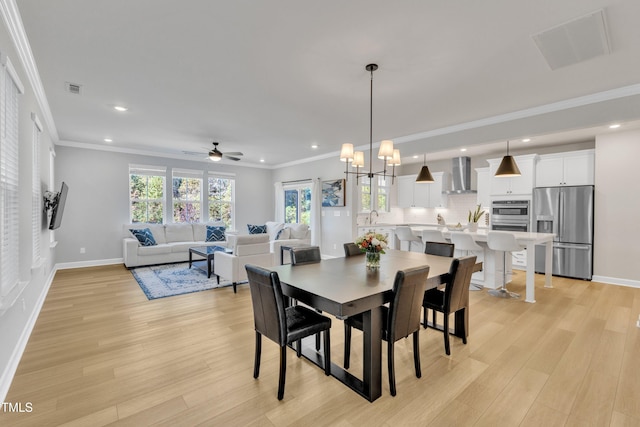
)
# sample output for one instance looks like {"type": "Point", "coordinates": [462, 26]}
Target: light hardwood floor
{"type": "Point", "coordinates": [101, 354]}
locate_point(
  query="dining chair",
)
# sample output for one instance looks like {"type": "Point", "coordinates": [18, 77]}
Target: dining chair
{"type": "Point", "coordinates": [454, 298]}
{"type": "Point", "coordinates": [405, 234]}
{"type": "Point", "coordinates": [281, 324]}
{"type": "Point", "coordinates": [439, 248]}
{"type": "Point", "coordinates": [351, 249]}
{"type": "Point", "coordinates": [399, 320]}
{"type": "Point", "coordinates": [504, 242]}
{"type": "Point", "coordinates": [305, 255]}
{"type": "Point", "coordinates": [433, 236]}
{"type": "Point", "coordinates": [465, 242]}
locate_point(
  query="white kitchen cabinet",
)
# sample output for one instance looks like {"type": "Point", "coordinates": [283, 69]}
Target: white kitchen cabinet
{"type": "Point", "coordinates": [571, 168]}
{"type": "Point", "coordinates": [518, 185]}
{"type": "Point", "coordinates": [415, 195]}
{"type": "Point", "coordinates": [484, 187]}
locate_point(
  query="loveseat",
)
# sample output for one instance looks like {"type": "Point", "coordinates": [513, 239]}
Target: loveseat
{"type": "Point", "coordinates": [247, 249]}
{"type": "Point", "coordinates": [286, 234]}
{"type": "Point", "coordinates": [172, 242]}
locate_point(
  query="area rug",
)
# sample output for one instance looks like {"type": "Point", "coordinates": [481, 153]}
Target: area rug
{"type": "Point", "coordinates": [159, 281]}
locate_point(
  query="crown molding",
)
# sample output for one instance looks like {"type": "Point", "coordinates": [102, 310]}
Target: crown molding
{"type": "Point", "coordinates": [13, 21]}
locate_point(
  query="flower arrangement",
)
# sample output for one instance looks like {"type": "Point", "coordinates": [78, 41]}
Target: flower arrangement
{"type": "Point", "coordinates": [372, 242]}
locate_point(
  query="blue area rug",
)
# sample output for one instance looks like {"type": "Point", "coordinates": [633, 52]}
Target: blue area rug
{"type": "Point", "coordinates": [159, 281]}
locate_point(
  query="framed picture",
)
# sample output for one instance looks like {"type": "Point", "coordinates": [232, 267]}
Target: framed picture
{"type": "Point", "coordinates": [333, 192]}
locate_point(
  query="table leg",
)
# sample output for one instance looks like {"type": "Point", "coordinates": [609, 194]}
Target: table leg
{"type": "Point", "coordinates": [372, 354]}
{"type": "Point", "coordinates": [209, 262]}
{"type": "Point", "coordinates": [530, 274]}
{"type": "Point", "coordinates": [190, 258]}
{"type": "Point", "coordinates": [548, 264]}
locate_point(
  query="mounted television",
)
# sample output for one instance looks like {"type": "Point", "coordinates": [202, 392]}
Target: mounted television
{"type": "Point", "coordinates": [58, 207]}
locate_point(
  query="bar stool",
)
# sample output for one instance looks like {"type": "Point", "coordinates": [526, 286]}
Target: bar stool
{"type": "Point", "coordinates": [433, 236]}
{"type": "Point", "coordinates": [405, 234]}
{"type": "Point", "coordinates": [464, 242]}
{"type": "Point", "coordinates": [504, 242]}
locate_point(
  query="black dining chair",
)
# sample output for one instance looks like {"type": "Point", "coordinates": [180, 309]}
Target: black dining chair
{"type": "Point", "coordinates": [351, 249]}
{"type": "Point", "coordinates": [455, 297]}
{"type": "Point", "coordinates": [439, 248]}
{"type": "Point", "coordinates": [281, 324]}
{"type": "Point", "coordinates": [399, 320]}
{"type": "Point", "coordinates": [305, 255]}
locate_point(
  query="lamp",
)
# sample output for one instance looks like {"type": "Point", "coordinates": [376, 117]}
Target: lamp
{"type": "Point", "coordinates": [508, 166]}
{"type": "Point", "coordinates": [425, 177]}
{"type": "Point", "coordinates": [387, 153]}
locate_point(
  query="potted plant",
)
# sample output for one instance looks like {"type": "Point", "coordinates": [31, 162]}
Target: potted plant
{"type": "Point", "coordinates": [474, 217]}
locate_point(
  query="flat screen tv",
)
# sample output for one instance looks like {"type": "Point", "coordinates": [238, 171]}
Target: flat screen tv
{"type": "Point", "coordinates": [58, 207]}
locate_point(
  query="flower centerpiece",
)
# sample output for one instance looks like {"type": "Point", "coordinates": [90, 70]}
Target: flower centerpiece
{"type": "Point", "coordinates": [372, 244]}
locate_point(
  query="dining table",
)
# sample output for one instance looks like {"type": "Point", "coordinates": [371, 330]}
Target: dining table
{"type": "Point", "coordinates": [344, 287]}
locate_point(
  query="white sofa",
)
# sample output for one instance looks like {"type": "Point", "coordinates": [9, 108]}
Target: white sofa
{"type": "Point", "coordinates": [292, 235]}
{"type": "Point", "coordinates": [247, 249]}
{"type": "Point", "coordinates": [172, 243]}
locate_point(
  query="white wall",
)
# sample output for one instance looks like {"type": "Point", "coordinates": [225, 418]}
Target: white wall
{"type": "Point", "coordinates": [617, 204]}
{"type": "Point", "coordinates": [98, 201]}
{"type": "Point", "coordinates": [17, 320]}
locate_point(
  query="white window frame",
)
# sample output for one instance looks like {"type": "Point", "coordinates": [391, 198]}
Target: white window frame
{"type": "Point", "coordinates": [379, 183]}
{"type": "Point", "coordinates": [218, 175]}
{"type": "Point", "coordinates": [10, 89]}
{"type": "Point", "coordinates": [189, 174]}
{"type": "Point", "coordinates": [147, 170]}
{"type": "Point", "coordinates": [297, 186]}
{"type": "Point", "coordinates": [36, 196]}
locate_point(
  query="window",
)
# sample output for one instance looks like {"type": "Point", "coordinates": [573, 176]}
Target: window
{"type": "Point", "coordinates": [297, 204]}
{"type": "Point", "coordinates": [146, 193]}
{"type": "Point", "coordinates": [36, 193]}
{"type": "Point", "coordinates": [187, 195]}
{"type": "Point", "coordinates": [222, 200]}
{"type": "Point", "coordinates": [10, 88]}
{"type": "Point", "coordinates": [376, 196]}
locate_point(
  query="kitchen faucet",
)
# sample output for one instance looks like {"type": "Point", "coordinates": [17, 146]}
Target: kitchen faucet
{"type": "Point", "coordinates": [372, 211]}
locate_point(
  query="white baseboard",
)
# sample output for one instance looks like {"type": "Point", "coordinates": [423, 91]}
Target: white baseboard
{"type": "Point", "coordinates": [616, 281]}
{"type": "Point", "coordinates": [92, 263]}
{"type": "Point", "coordinates": [10, 370]}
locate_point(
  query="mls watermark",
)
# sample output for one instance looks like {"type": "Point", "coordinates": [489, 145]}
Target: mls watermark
{"type": "Point", "coordinates": [11, 407]}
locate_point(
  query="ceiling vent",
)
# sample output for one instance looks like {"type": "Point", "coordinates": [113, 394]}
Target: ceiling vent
{"type": "Point", "coordinates": [72, 88]}
{"type": "Point", "coordinates": [575, 41]}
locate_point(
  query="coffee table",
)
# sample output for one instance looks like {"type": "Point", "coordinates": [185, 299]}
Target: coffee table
{"type": "Point", "coordinates": [207, 252]}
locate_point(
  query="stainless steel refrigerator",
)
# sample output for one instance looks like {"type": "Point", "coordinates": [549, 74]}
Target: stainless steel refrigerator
{"type": "Point", "coordinates": [568, 213]}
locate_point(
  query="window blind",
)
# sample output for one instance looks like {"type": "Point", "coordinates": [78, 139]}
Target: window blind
{"type": "Point", "coordinates": [147, 170]}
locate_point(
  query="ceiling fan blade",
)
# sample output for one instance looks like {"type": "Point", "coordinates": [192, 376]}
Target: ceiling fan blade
{"type": "Point", "coordinates": [234, 153]}
{"type": "Point", "coordinates": [231, 157]}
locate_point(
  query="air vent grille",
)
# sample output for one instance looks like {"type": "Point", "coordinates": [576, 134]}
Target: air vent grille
{"type": "Point", "coordinates": [73, 88]}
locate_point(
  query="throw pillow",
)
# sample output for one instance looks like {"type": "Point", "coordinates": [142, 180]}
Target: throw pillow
{"type": "Point", "coordinates": [144, 236]}
{"type": "Point", "coordinates": [283, 234]}
{"type": "Point", "coordinates": [257, 229]}
{"type": "Point", "coordinates": [215, 234]}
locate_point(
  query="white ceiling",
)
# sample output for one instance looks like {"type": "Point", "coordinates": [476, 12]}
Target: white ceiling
{"type": "Point", "coordinates": [272, 78]}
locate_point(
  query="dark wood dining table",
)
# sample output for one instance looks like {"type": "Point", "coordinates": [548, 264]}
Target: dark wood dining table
{"type": "Point", "coordinates": [344, 287]}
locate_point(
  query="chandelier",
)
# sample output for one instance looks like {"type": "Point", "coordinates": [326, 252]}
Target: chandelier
{"type": "Point", "coordinates": [389, 155]}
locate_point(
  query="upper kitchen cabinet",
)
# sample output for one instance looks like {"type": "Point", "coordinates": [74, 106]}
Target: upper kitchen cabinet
{"type": "Point", "coordinates": [414, 195]}
{"type": "Point", "coordinates": [571, 168]}
{"type": "Point", "coordinates": [484, 187]}
{"type": "Point", "coordinates": [518, 185]}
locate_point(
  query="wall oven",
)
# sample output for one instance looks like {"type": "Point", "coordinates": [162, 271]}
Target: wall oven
{"type": "Point", "coordinates": [510, 215]}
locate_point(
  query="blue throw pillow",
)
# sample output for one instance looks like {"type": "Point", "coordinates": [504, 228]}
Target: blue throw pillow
{"type": "Point", "coordinates": [215, 234]}
{"type": "Point", "coordinates": [144, 236]}
{"type": "Point", "coordinates": [257, 229]}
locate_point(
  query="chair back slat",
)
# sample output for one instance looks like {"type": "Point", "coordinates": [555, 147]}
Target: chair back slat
{"type": "Point", "coordinates": [456, 293]}
{"type": "Point", "coordinates": [439, 248]}
{"type": "Point", "coordinates": [406, 307]}
{"type": "Point", "coordinates": [268, 304]}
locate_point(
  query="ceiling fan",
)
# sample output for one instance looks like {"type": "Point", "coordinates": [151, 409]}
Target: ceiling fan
{"type": "Point", "coordinates": [216, 155]}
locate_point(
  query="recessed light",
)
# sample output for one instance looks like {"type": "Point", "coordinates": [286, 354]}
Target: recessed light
{"type": "Point", "coordinates": [463, 149]}
{"type": "Point", "coordinates": [614, 126]}
{"type": "Point", "coordinates": [120, 108]}
{"type": "Point", "coordinates": [314, 146]}
{"type": "Point", "coordinates": [526, 140]}
{"type": "Point", "coordinates": [108, 140]}
{"type": "Point", "coordinates": [415, 156]}
{"type": "Point", "coordinates": [261, 160]}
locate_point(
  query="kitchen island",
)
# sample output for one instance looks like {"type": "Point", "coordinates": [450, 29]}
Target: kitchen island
{"type": "Point", "coordinates": [493, 260]}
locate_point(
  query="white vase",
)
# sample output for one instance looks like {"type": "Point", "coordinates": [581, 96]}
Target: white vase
{"type": "Point", "coordinates": [472, 226]}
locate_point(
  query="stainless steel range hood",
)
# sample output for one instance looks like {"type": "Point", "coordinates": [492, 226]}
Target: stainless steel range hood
{"type": "Point", "coordinates": [461, 176]}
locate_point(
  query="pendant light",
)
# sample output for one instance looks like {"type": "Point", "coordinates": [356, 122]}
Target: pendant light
{"type": "Point", "coordinates": [508, 166]}
{"type": "Point", "coordinates": [425, 177]}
